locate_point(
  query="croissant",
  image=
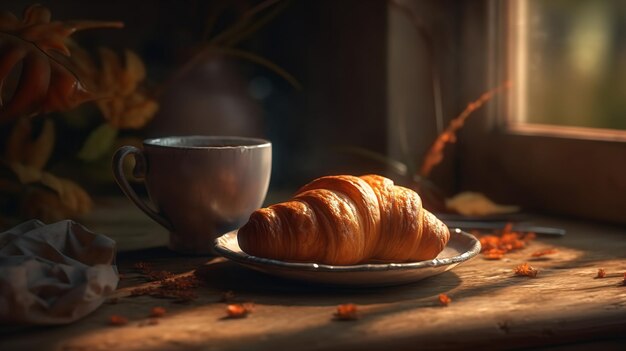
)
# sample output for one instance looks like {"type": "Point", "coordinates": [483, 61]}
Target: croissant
{"type": "Point", "coordinates": [344, 220]}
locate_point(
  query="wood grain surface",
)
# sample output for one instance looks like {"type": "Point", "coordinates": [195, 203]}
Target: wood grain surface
{"type": "Point", "coordinates": [490, 309]}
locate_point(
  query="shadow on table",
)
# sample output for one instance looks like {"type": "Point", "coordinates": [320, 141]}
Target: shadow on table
{"type": "Point", "coordinates": [269, 290]}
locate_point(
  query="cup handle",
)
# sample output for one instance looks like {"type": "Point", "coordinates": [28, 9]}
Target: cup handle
{"type": "Point", "coordinates": [139, 171]}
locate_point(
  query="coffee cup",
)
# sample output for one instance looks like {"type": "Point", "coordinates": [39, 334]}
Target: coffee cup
{"type": "Point", "coordinates": [200, 186]}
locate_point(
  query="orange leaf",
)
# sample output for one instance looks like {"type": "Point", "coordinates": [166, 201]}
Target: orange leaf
{"type": "Point", "coordinates": [32, 153]}
{"type": "Point", "coordinates": [45, 83]}
{"type": "Point", "coordinates": [444, 299]}
{"type": "Point", "coordinates": [493, 254]}
{"type": "Point", "coordinates": [157, 312]}
{"type": "Point", "coordinates": [117, 83]}
{"type": "Point", "coordinates": [118, 320]}
{"type": "Point", "coordinates": [346, 312]}
{"type": "Point", "coordinates": [239, 310]}
{"type": "Point", "coordinates": [525, 270]}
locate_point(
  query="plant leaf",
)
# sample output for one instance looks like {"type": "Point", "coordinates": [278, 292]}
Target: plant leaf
{"type": "Point", "coordinates": [242, 23]}
{"type": "Point", "coordinates": [20, 148]}
{"type": "Point", "coordinates": [98, 143]}
{"type": "Point", "coordinates": [36, 48]}
{"type": "Point", "coordinates": [254, 26]}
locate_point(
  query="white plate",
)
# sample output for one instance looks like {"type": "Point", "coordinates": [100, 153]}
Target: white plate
{"type": "Point", "coordinates": [461, 247]}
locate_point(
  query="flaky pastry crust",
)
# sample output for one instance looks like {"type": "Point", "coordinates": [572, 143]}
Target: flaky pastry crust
{"type": "Point", "coordinates": [344, 220]}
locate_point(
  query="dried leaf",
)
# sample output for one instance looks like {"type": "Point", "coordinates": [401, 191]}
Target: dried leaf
{"type": "Point", "coordinates": [37, 27]}
{"type": "Point", "coordinates": [525, 270]}
{"type": "Point", "coordinates": [493, 254]}
{"type": "Point", "coordinates": [157, 312]}
{"type": "Point", "coordinates": [347, 312]}
{"type": "Point", "coordinates": [24, 174]}
{"type": "Point", "coordinates": [49, 206]}
{"type": "Point", "coordinates": [72, 196]}
{"type": "Point", "coordinates": [135, 72]}
{"type": "Point", "coordinates": [45, 83]}
{"type": "Point", "coordinates": [122, 103]}
{"type": "Point", "coordinates": [58, 198]}
{"type": "Point", "coordinates": [31, 153]}
{"type": "Point", "coordinates": [129, 112]}
{"type": "Point", "coordinates": [111, 73]}
{"type": "Point", "coordinates": [495, 246]}
{"type": "Point", "coordinates": [239, 310]}
{"type": "Point", "coordinates": [444, 299]}
{"type": "Point", "coordinates": [117, 320]}
{"type": "Point", "coordinates": [476, 204]}
{"type": "Point", "coordinates": [38, 152]}
{"type": "Point", "coordinates": [98, 143]}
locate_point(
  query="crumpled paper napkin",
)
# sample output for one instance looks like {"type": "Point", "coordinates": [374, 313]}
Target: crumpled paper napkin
{"type": "Point", "coordinates": [54, 274]}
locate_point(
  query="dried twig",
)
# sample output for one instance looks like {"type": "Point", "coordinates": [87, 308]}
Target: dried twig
{"type": "Point", "coordinates": [242, 23]}
{"type": "Point", "coordinates": [434, 156]}
{"type": "Point", "coordinates": [544, 252]}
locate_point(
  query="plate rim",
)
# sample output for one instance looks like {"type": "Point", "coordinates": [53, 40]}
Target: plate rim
{"type": "Point", "coordinates": [244, 258]}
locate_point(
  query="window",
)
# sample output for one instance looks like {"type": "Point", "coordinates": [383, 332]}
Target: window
{"type": "Point", "coordinates": [568, 62]}
{"type": "Point", "coordinates": [557, 142]}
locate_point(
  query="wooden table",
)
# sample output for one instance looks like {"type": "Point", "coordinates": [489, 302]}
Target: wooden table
{"type": "Point", "coordinates": [490, 309]}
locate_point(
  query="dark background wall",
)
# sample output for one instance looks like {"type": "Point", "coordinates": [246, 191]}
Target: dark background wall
{"type": "Point", "coordinates": [337, 50]}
